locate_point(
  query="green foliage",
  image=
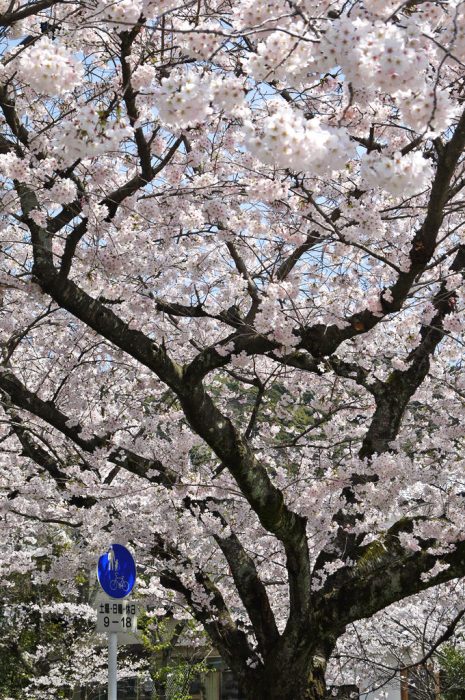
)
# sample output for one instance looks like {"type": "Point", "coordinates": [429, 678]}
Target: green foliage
{"type": "Point", "coordinates": [171, 670]}
{"type": "Point", "coordinates": [21, 631]}
{"type": "Point", "coordinates": [179, 676]}
{"type": "Point", "coordinates": [452, 662]}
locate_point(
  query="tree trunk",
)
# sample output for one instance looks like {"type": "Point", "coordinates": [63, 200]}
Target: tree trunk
{"type": "Point", "coordinates": [295, 681]}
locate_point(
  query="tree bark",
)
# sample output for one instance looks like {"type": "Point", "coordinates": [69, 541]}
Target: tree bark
{"type": "Point", "coordinates": [299, 680]}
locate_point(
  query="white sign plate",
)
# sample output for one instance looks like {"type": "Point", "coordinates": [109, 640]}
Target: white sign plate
{"type": "Point", "coordinates": [117, 617]}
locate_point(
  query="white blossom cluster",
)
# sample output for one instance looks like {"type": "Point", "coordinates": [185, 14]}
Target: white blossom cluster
{"type": "Point", "coordinates": [381, 8]}
{"type": "Point", "coordinates": [13, 167]}
{"type": "Point", "coordinates": [363, 222]}
{"type": "Point", "coordinates": [63, 191]}
{"type": "Point", "coordinates": [143, 77]}
{"type": "Point", "coordinates": [429, 110]}
{"type": "Point", "coordinates": [120, 14]}
{"type": "Point", "coordinates": [456, 34]}
{"type": "Point", "coordinates": [202, 42]}
{"type": "Point", "coordinates": [280, 55]}
{"type": "Point", "coordinates": [184, 101]}
{"type": "Point", "coordinates": [228, 95]}
{"type": "Point", "coordinates": [155, 8]}
{"type": "Point", "coordinates": [434, 571]}
{"type": "Point", "coordinates": [267, 191]}
{"type": "Point", "coordinates": [251, 13]}
{"type": "Point", "coordinates": [50, 68]}
{"type": "Point", "coordinates": [399, 175]}
{"type": "Point", "coordinates": [379, 55]}
{"type": "Point", "coordinates": [84, 135]}
{"type": "Point", "coordinates": [286, 139]}
{"type": "Point", "coordinates": [269, 319]}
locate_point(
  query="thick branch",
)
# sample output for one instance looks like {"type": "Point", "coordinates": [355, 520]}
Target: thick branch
{"type": "Point", "coordinates": [7, 105]}
{"type": "Point", "coordinates": [252, 592]}
{"type": "Point", "coordinates": [322, 340]}
{"type": "Point", "coordinates": [216, 429]}
{"type": "Point", "coordinates": [229, 640]}
{"type": "Point", "coordinates": [387, 573]}
{"type": "Point", "coordinates": [26, 10]}
{"type": "Point", "coordinates": [121, 457]}
{"type": "Point", "coordinates": [115, 198]}
{"type": "Point", "coordinates": [249, 586]}
{"type": "Point", "coordinates": [394, 395]}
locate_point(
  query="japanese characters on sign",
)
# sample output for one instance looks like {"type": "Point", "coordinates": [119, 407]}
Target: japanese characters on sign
{"type": "Point", "coordinates": [117, 617]}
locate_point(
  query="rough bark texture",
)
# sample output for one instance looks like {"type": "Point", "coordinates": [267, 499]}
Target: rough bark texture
{"type": "Point", "coordinates": [301, 680]}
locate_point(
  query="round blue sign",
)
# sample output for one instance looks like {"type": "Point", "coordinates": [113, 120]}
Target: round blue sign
{"type": "Point", "coordinates": [116, 571]}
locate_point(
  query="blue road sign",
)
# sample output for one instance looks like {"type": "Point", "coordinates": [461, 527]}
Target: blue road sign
{"type": "Point", "coordinates": [116, 571]}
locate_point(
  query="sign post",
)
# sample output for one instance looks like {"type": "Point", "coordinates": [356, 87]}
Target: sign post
{"type": "Point", "coordinates": [112, 665]}
{"type": "Point", "coordinates": [116, 573]}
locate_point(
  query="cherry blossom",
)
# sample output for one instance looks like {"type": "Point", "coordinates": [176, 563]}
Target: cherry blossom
{"type": "Point", "coordinates": [399, 175]}
{"type": "Point", "coordinates": [232, 321]}
{"type": "Point", "coordinates": [50, 68]}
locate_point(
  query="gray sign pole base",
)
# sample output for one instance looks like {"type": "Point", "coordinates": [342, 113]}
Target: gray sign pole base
{"type": "Point", "coordinates": [112, 655]}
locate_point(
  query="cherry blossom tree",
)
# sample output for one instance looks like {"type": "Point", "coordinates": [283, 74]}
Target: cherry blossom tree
{"type": "Point", "coordinates": [233, 308]}
{"type": "Point", "coordinates": [415, 643]}
{"type": "Point", "coordinates": [48, 643]}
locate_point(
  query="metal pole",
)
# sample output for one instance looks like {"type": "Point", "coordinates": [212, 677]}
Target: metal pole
{"type": "Point", "coordinates": [112, 654]}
